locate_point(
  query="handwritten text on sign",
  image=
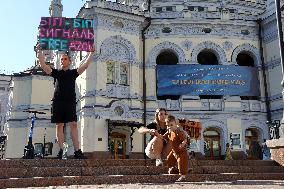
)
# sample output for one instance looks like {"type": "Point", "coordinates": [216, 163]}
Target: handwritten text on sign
{"type": "Point", "coordinates": [73, 34]}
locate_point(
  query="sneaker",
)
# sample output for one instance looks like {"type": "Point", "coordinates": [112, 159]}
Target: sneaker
{"type": "Point", "coordinates": [79, 155]}
{"type": "Point", "coordinates": [181, 178]}
{"type": "Point", "coordinates": [60, 153]}
{"type": "Point", "coordinates": [159, 162]}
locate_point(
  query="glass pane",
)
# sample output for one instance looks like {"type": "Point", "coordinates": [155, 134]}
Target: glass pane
{"type": "Point", "coordinates": [207, 148]}
{"type": "Point", "coordinates": [215, 148]}
{"type": "Point", "coordinates": [120, 147]}
{"type": "Point", "coordinates": [110, 72]}
{"type": "Point", "coordinates": [123, 74]}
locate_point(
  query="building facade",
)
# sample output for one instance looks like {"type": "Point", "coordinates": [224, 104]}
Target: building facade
{"type": "Point", "coordinates": [118, 92]}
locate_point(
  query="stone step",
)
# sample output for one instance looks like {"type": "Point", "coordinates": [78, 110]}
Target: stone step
{"type": "Point", "coordinates": [80, 171]}
{"type": "Point", "coordinates": [127, 170]}
{"type": "Point", "coordinates": [236, 169]}
{"type": "Point", "coordinates": [23, 163]}
{"type": "Point", "coordinates": [232, 162]}
{"type": "Point", "coordinates": [124, 179]}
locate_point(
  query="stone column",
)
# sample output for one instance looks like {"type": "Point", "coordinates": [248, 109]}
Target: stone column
{"type": "Point", "coordinates": [277, 145]}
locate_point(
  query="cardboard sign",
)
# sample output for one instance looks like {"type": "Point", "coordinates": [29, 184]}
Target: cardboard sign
{"type": "Point", "coordinates": [66, 34]}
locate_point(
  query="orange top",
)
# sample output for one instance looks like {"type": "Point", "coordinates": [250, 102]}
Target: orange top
{"type": "Point", "coordinates": [175, 139]}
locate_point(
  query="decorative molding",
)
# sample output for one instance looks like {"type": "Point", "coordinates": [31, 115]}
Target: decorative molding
{"type": "Point", "coordinates": [251, 50]}
{"type": "Point", "coordinates": [220, 30]}
{"type": "Point", "coordinates": [118, 48]}
{"type": "Point", "coordinates": [128, 26]}
{"type": "Point", "coordinates": [216, 49]}
{"type": "Point", "coordinates": [39, 77]}
{"type": "Point", "coordinates": [166, 45]}
{"type": "Point", "coordinates": [221, 125]}
{"type": "Point", "coordinates": [273, 63]}
{"type": "Point", "coordinates": [227, 45]}
{"type": "Point", "coordinates": [112, 91]}
{"type": "Point", "coordinates": [187, 45]}
{"type": "Point", "coordinates": [278, 96]}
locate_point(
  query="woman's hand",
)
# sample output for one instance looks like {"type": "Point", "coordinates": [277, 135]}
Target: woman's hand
{"type": "Point", "coordinates": [152, 132]}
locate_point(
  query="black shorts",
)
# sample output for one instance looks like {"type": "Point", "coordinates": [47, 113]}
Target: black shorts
{"type": "Point", "coordinates": [63, 112]}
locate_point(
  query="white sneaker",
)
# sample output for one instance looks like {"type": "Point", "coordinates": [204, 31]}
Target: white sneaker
{"type": "Point", "coordinates": [159, 162]}
{"type": "Point", "coordinates": [181, 178]}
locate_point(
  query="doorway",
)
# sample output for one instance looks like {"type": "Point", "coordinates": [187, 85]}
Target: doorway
{"type": "Point", "coordinates": [212, 145]}
{"type": "Point", "coordinates": [118, 145]}
{"type": "Point", "coordinates": [253, 147]}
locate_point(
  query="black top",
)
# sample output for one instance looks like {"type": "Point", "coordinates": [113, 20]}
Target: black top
{"type": "Point", "coordinates": [64, 85]}
{"type": "Point", "coordinates": [154, 125]}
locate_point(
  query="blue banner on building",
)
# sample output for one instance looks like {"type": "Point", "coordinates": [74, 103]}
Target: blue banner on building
{"type": "Point", "coordinates": [195, 79]}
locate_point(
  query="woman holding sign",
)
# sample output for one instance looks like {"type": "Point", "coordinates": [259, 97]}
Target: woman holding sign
{"type": "Point", "coordinates": [64, 99]}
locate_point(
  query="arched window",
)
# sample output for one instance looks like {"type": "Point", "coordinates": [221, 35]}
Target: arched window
{"type": "Point", "coordinates": [167, 57]}
{"type": "Point", "coordinates": [117, 73]}
{"type": "Point", "coordinates": [207, 57]}
{"type": "Point", "coordinates": [244, 59]}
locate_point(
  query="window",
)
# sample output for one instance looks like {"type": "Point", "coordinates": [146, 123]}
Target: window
{"type": "Point", "coordinates": [200, 9]}
{"type": "Point", "coordinates": [117, 73]}
{"type": "Point", "coordinates": [123, 74]}
{"type": "Point", "coordinates": [167, 57]}
{"type": "Point", "coordinates": [169, 8]}
{"type": "Point", "coordinates": [191, 8]}
{"type": "Point", "coordinates": [245, 32]}
{"type": "Point", "coordinates": [207, 57]}
{"type": "Point", "coordinates": [245, 59]}
{"type": "Point", "coordinates": [159, 9]}
{"type": "Point", "coordinates": [110, 72]}
{"type": "Point", "coordinates": [2, 88]}
{"type": "Point", "coordinates": [166, 30]}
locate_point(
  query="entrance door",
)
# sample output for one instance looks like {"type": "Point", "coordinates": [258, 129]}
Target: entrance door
{"type": "Point", "coordinates": [119, 145]}
{"type": "Point", "coordinates": [212, 148]}
{"type": "Point", "coordinates": [212, 145]}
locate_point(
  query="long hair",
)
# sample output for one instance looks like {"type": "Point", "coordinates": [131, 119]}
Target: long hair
{"type": "Point", "coordinates": [157, 118]}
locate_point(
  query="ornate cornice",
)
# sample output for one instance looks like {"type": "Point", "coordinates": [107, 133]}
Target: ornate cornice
{"type": "Point", "coordinates": [218, 29]}
{"type": "Point", "coordinates": [121, 25]}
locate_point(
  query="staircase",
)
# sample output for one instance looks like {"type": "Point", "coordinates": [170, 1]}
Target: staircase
{"type": "Point", "coordinates": [53, 172]}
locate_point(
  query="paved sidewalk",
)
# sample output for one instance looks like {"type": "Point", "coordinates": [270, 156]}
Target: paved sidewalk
{"type": "Point", "coordinates": [266, 184]}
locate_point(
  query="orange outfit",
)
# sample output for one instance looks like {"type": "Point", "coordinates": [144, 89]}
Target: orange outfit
{"type": "Point", "coordinates": [177, 155]}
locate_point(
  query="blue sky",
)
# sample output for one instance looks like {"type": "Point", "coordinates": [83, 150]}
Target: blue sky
{"type": "Point", "coordinates": [19, 21]}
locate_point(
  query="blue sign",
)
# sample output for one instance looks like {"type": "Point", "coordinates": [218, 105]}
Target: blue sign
{"type": "Point", "coordinates": [196, 79]}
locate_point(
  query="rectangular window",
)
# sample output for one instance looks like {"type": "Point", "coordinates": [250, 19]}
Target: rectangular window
{"type": "Point", "coordinates": [200, 9]}
{"type": "Point", "coordinates": [2, 88]}
{"type": "Point", "coordinates": [191, 8]}
{"type": "Point", "coordinates": [159, 9]}
{"type": "Point", "coordinates": [169, 8]}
